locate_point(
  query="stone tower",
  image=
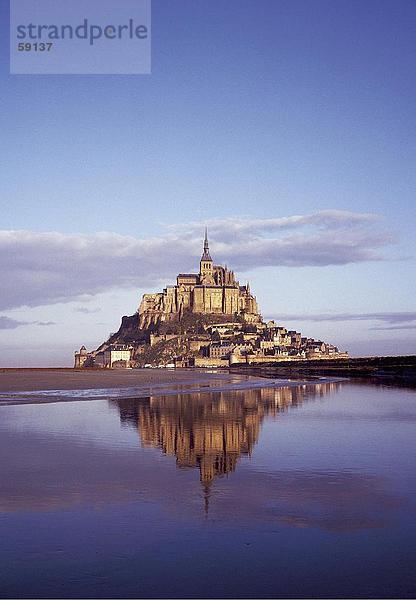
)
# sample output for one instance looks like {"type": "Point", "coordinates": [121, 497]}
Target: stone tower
{"type": "Point", "coordinates": [206, 265]}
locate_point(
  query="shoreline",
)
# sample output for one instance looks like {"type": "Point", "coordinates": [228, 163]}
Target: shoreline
{"type": "Point", "coordinates": [101, 385]}
{"type": "Point", "coordinates": [399, 370]}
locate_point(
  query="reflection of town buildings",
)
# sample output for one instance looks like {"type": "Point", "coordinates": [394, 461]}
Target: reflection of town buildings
{"type": "Point", "coordinates": [210, 431]}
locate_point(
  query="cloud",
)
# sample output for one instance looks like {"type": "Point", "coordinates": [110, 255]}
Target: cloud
{"type": "Point", "coordinates": [86, 311]}
{"type": "Point", "coordinates": [45, 268]}
{"type": "Point", "coordinates": [408, 327]}
{"type": "Point", "coordinates": [397, 320]}
{"type": "Point", "coordinates": [241, 227]}
{"type": "Point", "coordinates": [8, 323]}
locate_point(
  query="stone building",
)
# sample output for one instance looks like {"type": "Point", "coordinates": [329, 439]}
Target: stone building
{"type": "Point", "coordinates": [214, 290]}
{"type": "Point", "coordinates": [81, 357]}
{"type": "Point", "coordinates": [219, 349]}
{"type": "Point", "coordinates": [116, 355]}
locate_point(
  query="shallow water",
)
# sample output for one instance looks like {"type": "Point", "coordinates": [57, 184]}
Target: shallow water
{"type": "Point", "coordinates": [302, 491]}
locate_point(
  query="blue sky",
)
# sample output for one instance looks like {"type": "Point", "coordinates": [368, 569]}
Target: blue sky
{"type": "Point", "coordinates": [255, 110]}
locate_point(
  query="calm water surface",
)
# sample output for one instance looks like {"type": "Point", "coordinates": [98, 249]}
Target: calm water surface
{"type": "Point", "coordinates": [306, 491]}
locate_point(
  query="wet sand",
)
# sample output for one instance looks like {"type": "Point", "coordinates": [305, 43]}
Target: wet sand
{"type": "Point", "coordinates": [13, 380]}
{"type": "Point", "coordinates": [59, 385]}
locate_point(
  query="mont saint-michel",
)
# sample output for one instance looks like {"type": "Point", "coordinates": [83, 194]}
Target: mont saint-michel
{"type": "Point", "coordinates": [206, 319]}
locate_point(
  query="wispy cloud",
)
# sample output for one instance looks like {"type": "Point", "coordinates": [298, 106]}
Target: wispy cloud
{"type": "Point", "coordinates": [397, 320]}
{"type": "Point", "coordinates": [86, 311]}
{"type": "Point", "coordinates": [8, 323]}
{"type": "Point", "coordinates": [237, 227]}
{"type": "Point", "coordinates": [44, 268]}
{"type": "Point", "coordinates": [407, 327]}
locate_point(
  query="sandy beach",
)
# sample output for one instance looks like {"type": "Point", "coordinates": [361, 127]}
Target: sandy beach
{"type": "Point", "coordinates": [13, 380]}
{"type": "Point", "coordinates": [55, 385]}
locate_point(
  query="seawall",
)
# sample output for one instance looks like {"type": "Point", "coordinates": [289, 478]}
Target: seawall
{"type": "Point", "coordinates": [395, 369]}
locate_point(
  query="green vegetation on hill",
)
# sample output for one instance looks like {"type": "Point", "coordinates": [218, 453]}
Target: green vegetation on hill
{"type": "Point", "coordinates": [193, 323]}
{"type": "Point", "coordinates": [164, 352]}
{"type": "Point", "coordinates": [189, 324]}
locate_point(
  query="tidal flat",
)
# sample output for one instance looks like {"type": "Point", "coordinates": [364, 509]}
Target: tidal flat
{"type": "Point", "coordinates": [60, 385]}
{"type": "Point", "coordinates": [223, 486]}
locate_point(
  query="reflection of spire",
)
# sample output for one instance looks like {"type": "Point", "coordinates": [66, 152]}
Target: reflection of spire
{"type": "Point", "coordinates": [207, 493]}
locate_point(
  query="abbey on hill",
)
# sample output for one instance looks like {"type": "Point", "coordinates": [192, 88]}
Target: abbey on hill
{"type": "Point", "coordinates": [206, 319]}
{"type": "Point", "coordinates": [212, 291]}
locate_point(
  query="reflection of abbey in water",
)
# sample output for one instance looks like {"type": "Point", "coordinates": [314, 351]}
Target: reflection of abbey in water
{"type": "Point", "coordinates": [211, 430]}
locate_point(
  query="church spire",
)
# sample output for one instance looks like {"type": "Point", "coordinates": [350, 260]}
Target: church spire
{"type": "Point", "coordinates": [206, 255]}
